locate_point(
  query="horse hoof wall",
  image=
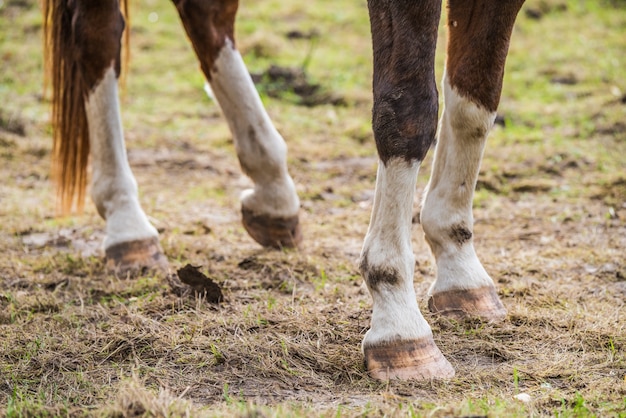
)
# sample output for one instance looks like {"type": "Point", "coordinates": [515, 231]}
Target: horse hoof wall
{"type": "Point", "coordinates": [272, 232]}
{"type": "Point", "coordinates": [417, 359]}
{"type": "Point", "coordinates": [460, 304]}
{"type": "Point", "coordinates": [136, 256]}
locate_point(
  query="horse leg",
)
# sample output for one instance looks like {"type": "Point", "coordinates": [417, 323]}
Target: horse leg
{"type": "Point", "coordinates": [399, 343]}
{"type": "Point", "coordinates": [131, 242]}
{"type": "Point", "coordinates": [270, 210]}
{"type": "Point", "coordinates": [478, 39]}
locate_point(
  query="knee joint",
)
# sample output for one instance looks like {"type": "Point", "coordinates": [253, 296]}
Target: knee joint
{"type": "Point", "coordinates": [405, 123]}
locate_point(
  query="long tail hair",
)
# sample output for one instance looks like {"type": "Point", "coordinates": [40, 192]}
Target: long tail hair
{"type": "Point", "coordinates": [70, 150]}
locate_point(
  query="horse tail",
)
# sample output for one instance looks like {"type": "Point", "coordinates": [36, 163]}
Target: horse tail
{"type": "Point", "coordinates": [70, 149]}
{"type": "Point", "coordinates": [126, 46]}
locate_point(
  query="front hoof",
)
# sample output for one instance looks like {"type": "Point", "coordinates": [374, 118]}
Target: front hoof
{"type": "Point", "coordinates": [407, 359]}
{"type": "Point", "coordinates": [272, 232]}
{"type": "Point", "coordinates": [466, 303]}
{"type": "Point", "coordinates": [135, 256]}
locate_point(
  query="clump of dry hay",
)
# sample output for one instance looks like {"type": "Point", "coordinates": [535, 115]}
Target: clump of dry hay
{"type": "Point", "coordinates": [134, 400]}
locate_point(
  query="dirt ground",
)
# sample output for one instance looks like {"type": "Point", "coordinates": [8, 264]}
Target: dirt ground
{"type": "Point", "coordinates": [550, 228]}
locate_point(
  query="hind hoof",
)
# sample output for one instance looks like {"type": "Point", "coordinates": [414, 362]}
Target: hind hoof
{"type": "Point", "coordinates": [272, 232]}
{"type": "Point", "coordinates": [135, 256]}
{"type": "Point", "coordinates": [417, 359]}
{"type": "Point", "coordinates": [467, 303]}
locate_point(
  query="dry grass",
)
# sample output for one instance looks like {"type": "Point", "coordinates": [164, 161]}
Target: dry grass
{"type": "Point", "coordinates": [550, 228]}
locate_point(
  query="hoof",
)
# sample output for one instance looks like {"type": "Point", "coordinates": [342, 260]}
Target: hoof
{"type": "Point", "coordinates": [272, 232]}
{"type": "Point", "coordinates": [407, 359]}
{"type": "Point", "coordinates": [135, 256]}
{"type": "Point", "coordinates": [460, 304]}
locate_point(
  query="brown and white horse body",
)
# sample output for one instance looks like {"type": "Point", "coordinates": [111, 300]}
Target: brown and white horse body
{"type": "Point", "coordinates": [85, 42]}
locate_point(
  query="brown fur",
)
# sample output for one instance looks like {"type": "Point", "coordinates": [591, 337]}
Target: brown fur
{"type": "Point", "coordinates": [208, 24]}
{"type": "Point", "coordinates": [376, 276]}
{"type": "Point", "coordinates": [71, 81]}
{"type": "Point", "coordinates": [404, 115]}
{"type": "Point", "coordinates": [479, 32]}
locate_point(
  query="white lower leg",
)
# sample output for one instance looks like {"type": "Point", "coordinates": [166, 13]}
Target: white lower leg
{"type": "Point", "coordinates": [387, 260]}
{"type": "Point", "coordinates": [113, 189]}
{"type": "Point", "coordinates": [446, 214]}
{"type": "Point", "coordinates": [261, 150]}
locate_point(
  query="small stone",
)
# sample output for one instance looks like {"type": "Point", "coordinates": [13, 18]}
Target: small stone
{"type": "Point", "coordinates": [523, 397]}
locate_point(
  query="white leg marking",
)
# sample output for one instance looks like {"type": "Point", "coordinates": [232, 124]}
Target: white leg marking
{"type": "Point", "coordinates": [447, 210]}
{"type": "Point", "coordinates": [113, 186]}
{"type": "Point", "coordinates": [261, 149]}
{"type": "Point", "coordinates": [387, 252]}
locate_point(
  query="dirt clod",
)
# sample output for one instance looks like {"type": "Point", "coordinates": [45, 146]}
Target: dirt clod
{"type": "Point", "coordinates": [293, 84]}
{"type": "Point", "coordinates": [191, 279]}
{"type": "Point", "coordinates": [298, 34]}
{"type": "Point", "coordinates": [12, 124]}
{"type": "Point", "coordinates": [566, 79]}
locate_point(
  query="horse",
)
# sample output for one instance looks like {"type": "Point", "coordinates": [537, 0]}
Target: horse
{"type": "Point", "coordinates": [84, 60]}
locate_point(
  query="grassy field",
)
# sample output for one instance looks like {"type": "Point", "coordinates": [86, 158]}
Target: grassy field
{"type": "Point", "coordinates": [550, 215]}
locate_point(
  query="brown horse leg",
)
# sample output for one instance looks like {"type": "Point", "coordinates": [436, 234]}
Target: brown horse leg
{"type": "Point", "coordinates": [478, 40]}
{"type": "Point", "coordinates": [131, 242]}
{"type": "Point", "coordinates": [270, 210]}
{"type": "Point", "coordinates": [399, 344]}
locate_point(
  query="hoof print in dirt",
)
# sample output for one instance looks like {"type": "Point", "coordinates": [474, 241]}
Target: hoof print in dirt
{"type": "Point", "coordinates": [190, 280]}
